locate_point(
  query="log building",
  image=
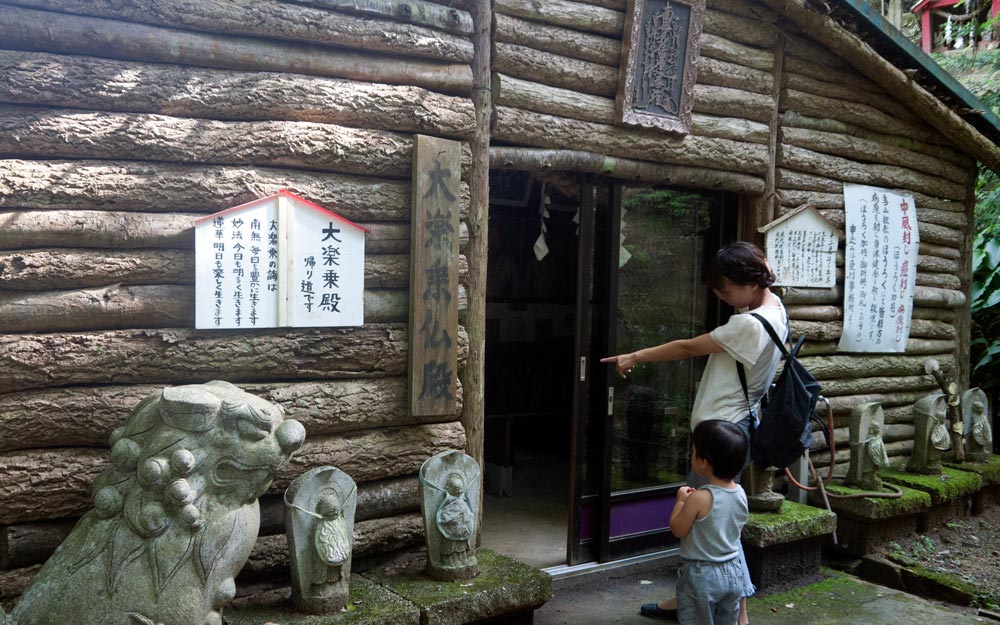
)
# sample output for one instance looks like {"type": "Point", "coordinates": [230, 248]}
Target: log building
{"type": "Point", "coordinates": [122, 123]}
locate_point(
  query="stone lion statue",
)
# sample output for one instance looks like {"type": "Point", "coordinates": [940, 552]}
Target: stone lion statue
{"type": "Point", "coordinates": [175, 515]}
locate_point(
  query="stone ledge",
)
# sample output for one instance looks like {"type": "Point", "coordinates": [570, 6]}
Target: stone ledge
{"type": "Point", "coordinates": [794, 522]}
{"type": "Point", "coordinates": [370, 604]}
{"type": "Point", "coordinates": [869, 509]}
{"type": "Point", "coordinates": [504, 587]}
{"type": "Point", "coordinates": [948, 486]}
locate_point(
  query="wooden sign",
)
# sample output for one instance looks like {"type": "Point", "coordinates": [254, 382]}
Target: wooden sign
{"type": "Point", "coordinates": [880, 269]}
{"type": "Point", "coordinates": [802, 248]}
{"type": "Point", "coordinates": [437, 172]}
{"type": "Point", "coordinates": [280, 261]}
{"type": "Point", "coordinates": [656, 85]}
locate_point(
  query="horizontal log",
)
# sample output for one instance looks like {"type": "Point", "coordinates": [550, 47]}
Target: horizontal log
{"type": "Point", "coordinates": [839, 91]}
{"type": "Point", "coordinates": [835, 201]}
{"type": "Point", "coordinates": [173, 356]}
{"type": "Point", "coordinates": [844, 404]}
{"type": "Point", "coordinates": [811, 296]}
{"type": "Point", "coordinates": [803, 46]}
{"type": "Point", "coordinates": [913, 346]}
{"type": "Point", "coordinates": [791, 179]}
{"type": "Point", "coordinates": [84, 416]}
{"type": "Point", "coordinates": [939, 314]}
{"type": "Point", "coordinates": [120, 230]}
{"type": "Point", "coordinates": [15, 582]}
{"type": "Point", "coordinates": [868, 385]}
{"type": "Point", "coordinates": [54, 483]}
{"type": "Point", "coordinates": [898, 448]}
{"type": "Point", "coordinates": [940, 251]}
{"type": "Point", "coordinates": [143, 306]}
{"type": "Point", "coordinates": [65, 268]}
{"type": "Point", "coordinates": [853, 113]}
{"type": "Point", "coordinates": [269, 558]}
{"type": "Point", "coordinates": [745, 30]}
{"type": "Point", "coordinates": [841, 435]}
{"type": "Point", "coordinates": [512, 92]}
{"type": "Point", "coordinates": [564, 41]}
{"type": "Point", "coordinates": [930, 232]}
{"type": "Point", "coordinates": [939, 280]}
{"type": "Point", "coordinates": [27, 29]}
{"type": "Point", "coordinates": [725, 74]}
{"type": "Point", "coordinates": [840, 367]}
{"type": "Point", "coordinates": [808, 312]}
{"type": "Point", "coordinates": [795, 64]}
{"type": "Point", "coordinates": [276, 20]}
{"type": "Point", "coordinates": [164, 187]}
{"type": "Point", "coordinates": [753, 10]}
{"type": "Point", "coordinates": [540, 130]}
{"type": "Point", "coordinates": [825, 124]}
{"type": "Point", "coordinates": [555, 70]}
{"type": "Point", "coordinates": [540, 160]}
{"type": "Point", "coordinates": [849, 170]}
{"type": "Point", "coordinates": [35, 78]}
{"type": "Point", "coordinates": [870, 151]}
{"type": "Point", "coordinates": [35, 132]}
{"type": "Point", "coordinates": [938, 298]}
{"type": "Point", "coordinates": [816, 330]}
{"type": "Point", "coordinates": [449, 18]}
{"type": "Point", "coordinates": [722, 49]}
{"type": "Point", "coordinates": [574, 15]}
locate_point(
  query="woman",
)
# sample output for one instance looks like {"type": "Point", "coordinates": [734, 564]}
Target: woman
{"type": "Point", "coordinates": [740, 276]}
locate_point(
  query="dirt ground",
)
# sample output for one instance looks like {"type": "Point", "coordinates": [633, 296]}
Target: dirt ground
{"type": "Point", "coordinates": [967, 549]}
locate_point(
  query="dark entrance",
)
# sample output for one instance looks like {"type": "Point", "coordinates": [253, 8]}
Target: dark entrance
{"type": "Point", "coordinates": [583, 467]}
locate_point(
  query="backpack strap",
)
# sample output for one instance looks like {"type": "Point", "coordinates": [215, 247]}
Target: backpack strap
{"type": "Point", "coordinates": [781, 347]}
{"type": "Point", "coordinates": [774, 337]}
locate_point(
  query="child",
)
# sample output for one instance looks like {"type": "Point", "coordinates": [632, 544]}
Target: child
{"type": "Point", "coordinates": [709, 521]}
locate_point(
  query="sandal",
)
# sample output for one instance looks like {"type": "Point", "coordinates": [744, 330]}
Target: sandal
{"type": "Point", "coordinates": [653, 610]}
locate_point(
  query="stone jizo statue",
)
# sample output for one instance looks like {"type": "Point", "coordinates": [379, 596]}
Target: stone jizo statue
{"type": "Point", "coordinates": [175, 515]}
{"type": "Point", "coordinates": [978, 431]}
{"type": "Point", "coordinates": [449, 502]}
{"type": "Point", "coordinates": [931, 437]}
{"type": "Point", "coordinates": [868, 453]}
{"type": "Point", "coordinates": [319, 521]}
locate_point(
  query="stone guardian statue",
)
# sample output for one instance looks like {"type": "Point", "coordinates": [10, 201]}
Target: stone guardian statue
{"type": "Point", "coordinates": [319, 521]}
{"type": "Point", "coordinates": [930, 437]}
{"type": "Point", "coordinates": [449, 501]}
{"type": "Point", "coordinates": [868, 453]}
{"type": "Point", "coordinates": [978, 431]}
{"type": "Point", "coordinates": [175, 515]}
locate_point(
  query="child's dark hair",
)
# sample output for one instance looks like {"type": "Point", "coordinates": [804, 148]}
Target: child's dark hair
{"type": "Point", "coordinates": [723, 445]}
{"type": "Point", "coordinates": [741, 263]}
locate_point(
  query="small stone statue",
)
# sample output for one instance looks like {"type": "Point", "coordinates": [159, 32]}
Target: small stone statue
{"type": "Point", "coordinates": [450, 502]}
{"type": "Point", "coordinates": [868, 452]}
{"type": "Point", "coordinates": [930, 438]}
{"type": "Point", "coordinates": [175, 515]}
{"type": "Point", "coordinates": [319, 522]}
{"type": "Point", "coordinates": [978, 431]}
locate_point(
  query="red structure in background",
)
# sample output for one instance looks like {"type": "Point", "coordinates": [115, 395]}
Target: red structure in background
{"type": "Point", "coordinates": [928, 22]}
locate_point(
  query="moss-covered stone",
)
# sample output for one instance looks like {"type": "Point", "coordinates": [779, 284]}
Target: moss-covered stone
{"type": "Point", "coordinates": [872, 508]}
{"type": "Point", "coordinates": [950, 485]}
{"type": "Point", "coordinates": [989, 470]}
{"type": "Point", "coordinates": [370, 604]}
{"type": "Point", "coordinates": [503, 586]}
{"type": "Point", "coordinates": [794, 522]}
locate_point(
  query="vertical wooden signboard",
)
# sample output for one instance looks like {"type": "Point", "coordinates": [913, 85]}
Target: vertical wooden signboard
{"type": "Point", "coordinates": [437, 173]}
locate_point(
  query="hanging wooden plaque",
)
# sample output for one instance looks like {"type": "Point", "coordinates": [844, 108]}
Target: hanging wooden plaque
{"type": "Point", "coordinates": [658, 72]}
{"type": "Point", "coordinates": [437, 172]}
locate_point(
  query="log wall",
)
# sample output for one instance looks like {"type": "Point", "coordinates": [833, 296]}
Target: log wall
{"type": "Point", "coordinates": [131, 122]}
{"type": "Point", "coordinates": [778, 118]}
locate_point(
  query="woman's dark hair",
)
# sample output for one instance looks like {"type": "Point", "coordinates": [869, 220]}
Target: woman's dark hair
{"type": "Point", "coordinates": [741, 263]}
{"type": "Point", "coordinates": [723, 445]}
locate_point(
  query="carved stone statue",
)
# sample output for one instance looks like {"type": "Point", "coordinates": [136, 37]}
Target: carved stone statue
{"type": "Point", "coordinates": [868, 452]}
{"type": "Point", "coordinates": [449, 501]}
{"type": "Point", "coordinates": [931, 437]}
{"type": "Point", "coordinates": [175, 515]}
{"type": "Point", "coordinates": [319, 522]}
{"type": "Point", "coordinates": [978, 431]}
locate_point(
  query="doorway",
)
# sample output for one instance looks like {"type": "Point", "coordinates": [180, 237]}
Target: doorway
{"type": "Point", "coordinates": [579, 465]}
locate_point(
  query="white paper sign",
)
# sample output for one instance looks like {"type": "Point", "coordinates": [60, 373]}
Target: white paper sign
{"type": "Point", "coordinates": [276, 262]}
{"type": "Point", "coordinates": [802, 251]}
{"type": "Point", "coordinates": [880, 269]}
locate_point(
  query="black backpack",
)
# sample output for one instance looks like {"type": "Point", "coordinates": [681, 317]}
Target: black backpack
{"type": "Point", "coordinates": [785, 431]}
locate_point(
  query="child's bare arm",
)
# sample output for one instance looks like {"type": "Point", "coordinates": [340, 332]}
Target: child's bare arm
{"type": "Point", "coordinates": [691, 505]}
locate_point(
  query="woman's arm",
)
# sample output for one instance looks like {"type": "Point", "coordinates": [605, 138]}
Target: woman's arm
{"type": "Point", "coordinates": [681, 349]}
